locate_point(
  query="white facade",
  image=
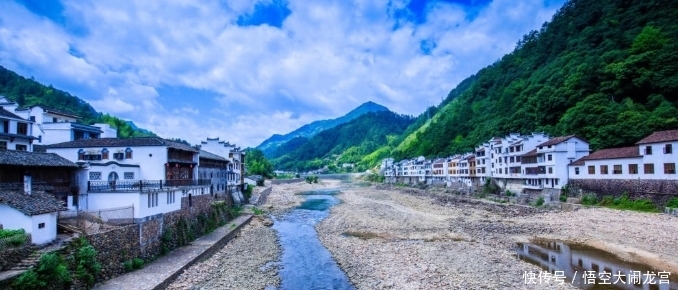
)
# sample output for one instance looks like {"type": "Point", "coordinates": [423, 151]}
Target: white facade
{"type": "Point", "coordinates": [42, 227]}
{"type": "Point", "coordinates": [53, 127]}
{"type": "Point", "coordinates": [547, 167]}
{"type": "Point", "coordinates": [15, 132]}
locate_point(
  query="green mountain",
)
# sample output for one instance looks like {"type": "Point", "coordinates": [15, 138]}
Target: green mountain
{"type": "Point", "coordinates": [28, 92]}
{"type": "Point", "coordinates": [270, 145]}
{"type": "Point", "coordinates": [606, 70]}
{"type": "Point", "coordinates": [350, 142]}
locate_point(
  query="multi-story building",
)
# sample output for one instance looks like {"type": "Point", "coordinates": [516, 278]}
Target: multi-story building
{"type": "Point", "coordinates": [483, 162]}
{"type": "Point", "coordinates": [506, 157]}
{"type": "Point", "coordinates": [235, 172]}
{"type": "Point", "coordinates": [149, 173]}
{"type": "Point", "coordinates": [545, 168]}
{"type": "Point", "coordinates": [15, 131]}
{"type": "Point", "coordinates": [214, 168]}
{"type": "Point", "coordinates": [439, 170]}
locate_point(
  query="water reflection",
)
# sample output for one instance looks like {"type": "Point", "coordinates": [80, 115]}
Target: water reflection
{"type": "Point", "coordinates": [590, 268]}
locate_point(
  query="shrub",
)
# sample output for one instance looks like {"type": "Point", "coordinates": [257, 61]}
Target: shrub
{"type": "Point", "coordinates": [540, 201]}
{"type": "Point", "coordinates": [672, 203]}
{"type": "Point", "coordinates": [10, 233]}
{"type": "Point", "coordinates": [608, 200]}
{"type": "Point", "coordinates": [86, 265]}
{"type": "Point", "coordinates": [28, 281]}
{"type": "Point", "coordinates": [128, 266]}
{"type": "Point", "coordinates": [508, 193]}
{"type": "Point", "coordinates": [137, 263]}
{"type": "Point", "coordinates": [563, 198]}
{"type": "Point", "coordinates": [589, 199]}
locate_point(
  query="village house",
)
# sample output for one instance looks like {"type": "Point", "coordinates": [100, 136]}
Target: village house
{"type": "Point", "coordinates": [55, 126]}
{"type": "Point", "coordinates": [34, 212]}
{"type": "Point", "coordinates": [439, 170]}
{"type": "Point", "coordinates": [214, 168]}
{"type": "Point", "coordinates": [483, 163]}
{"type": "Point", "coordinates": [545, 168]}
{"type": "Point", "coordinates": [16, 132]}
{"type": "Point", "coordinates": [506, 157]}
{"type": "Point", "coordinates": [648, 167]}
{"type": "Point", "coordinates": [235, 171]}
{"type": "Point", "coordinates": [149, 174]}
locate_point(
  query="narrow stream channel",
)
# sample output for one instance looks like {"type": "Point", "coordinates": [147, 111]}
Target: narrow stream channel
{"type": "Point", "coordinates": [305, 262]}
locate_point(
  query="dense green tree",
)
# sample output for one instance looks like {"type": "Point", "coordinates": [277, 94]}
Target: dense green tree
{"type": "Point", "coordinates": [256, 163]}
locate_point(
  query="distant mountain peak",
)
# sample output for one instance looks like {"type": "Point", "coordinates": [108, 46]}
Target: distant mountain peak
{"type": "Point", "coordinates": [309, 130]}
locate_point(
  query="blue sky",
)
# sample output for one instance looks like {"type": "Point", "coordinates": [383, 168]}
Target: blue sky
{"type": "Point", "coordinates": [243, 70]}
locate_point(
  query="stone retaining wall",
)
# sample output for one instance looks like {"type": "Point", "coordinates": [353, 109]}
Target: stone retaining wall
{"type": "Point", "coordinates": [659, 191]}
{"type": "Point", "coordinates": [11, 256]}
{"type": "Point", "coordinates": [263, 195]}
{"type": "Point", "coordinates": [157, 234]}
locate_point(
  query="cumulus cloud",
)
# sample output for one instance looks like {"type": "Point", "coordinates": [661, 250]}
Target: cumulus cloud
{"type": "Point", "coordinates": [245, 83]}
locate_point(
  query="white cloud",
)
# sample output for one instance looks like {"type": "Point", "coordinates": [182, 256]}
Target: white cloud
{"type": "Point", "coordinates": [247, 83]}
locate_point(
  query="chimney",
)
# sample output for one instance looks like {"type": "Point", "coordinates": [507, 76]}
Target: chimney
{"type": "Point", "coordinates": [27, 183]}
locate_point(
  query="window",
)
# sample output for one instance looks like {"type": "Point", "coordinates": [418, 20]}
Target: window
{"type": "Point", "coordinates": [550, 170]}
{"type": "Point", "coordinates": [54, 119]}
{"type": "Point", "coordinates": [5, 126]}
{"type": "Point", "coordinates": [617, 169]}
{"type": "Point", "coordinates": [592, 170]}
{"type": "Point", "coordinates": [104, 153]}
{"type": "Point", "coordinates": [152, 199]}
{"type": "Point", "coordinates": [603, 169]}
{"type": "Point", "coordinates": [668, 149]}
{"type": "Point", "coordinates": [41, 225]}
{"type": "Point", "coordinates": [557, 179]}
{"type": "Point", "coordinates": [119, 156]}
{"type": "Point", "coordinates": [170, 197]}
{"type": "Point", "coordinates": [32, 118]}
{"type": "Point", "coordinates": [20, 147]}
{"type": "Point", "coordinates": [3, 145]}
{"type": "Point", "coordinates": [22, 128]}
{"type": "Point", "coordinates": [648, 150]}
{"type": "Point", "coordinates": [576, 170]}
{"type": "Point", "coordinates": [648, 168]}
{"type": "Point", "coordinates": [549, 156]}
{"type": "Point", "coordinates": [633, 168]}
{"type": "Point", "coordinates": [128, 175]}
{"type": "Point", "coordinates": [669, 168]}
{"type": "Point", "coordinates": [95, 175]}
{"type": "Point", "coordinates": [512, 160]}
{"type": "Point", "coordinates": [128, 153]}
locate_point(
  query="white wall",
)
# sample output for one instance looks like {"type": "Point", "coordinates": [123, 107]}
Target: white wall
{"type": "Point", "coordinates": [46, 234]}
{"type": "Point", "coordinates": [162, 205]}
{"type": "Point", "coordinates": [11, 218]}
{"type": "Point", "coordinates": [151, 160]}
{"type": "Point", "coordinates": [624, 162]}
{"type": "Point", "coordinates": [658, 158]}
{"type": "Point", "coordinates": [108, 131]}
{"type": "Point", "coordinates": [101, 200]}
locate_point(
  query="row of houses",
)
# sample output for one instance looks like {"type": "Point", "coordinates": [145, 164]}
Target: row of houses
{"type": "Point", "coordinates": [540, 164]}
{"type": "Point", "coordinates": [50, 163]}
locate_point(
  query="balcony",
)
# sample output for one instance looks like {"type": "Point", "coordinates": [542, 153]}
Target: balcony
{"type": "Point", "coordinates": [143, 185]}
{"type": "Point", "coordinates": [53, 186]}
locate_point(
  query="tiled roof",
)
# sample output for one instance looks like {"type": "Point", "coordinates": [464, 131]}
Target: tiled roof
{"type": "Point", "coordinates": [8, 114]}
{"type": "Point", "coordinates": [123, 142]}
{"type": "Point", "coordinates": [532, 152]}
{"type": "Point", "coordinates": [660, 136]}
{"type": "Point", "coordinates": [25, 158]}
{"type": "Point", "coordinates": [34, 204]}
{"type": "Point", "coordinates": [21, 136]}
{"type": "Point", "coordinates": [208, 155]}
{"type": "Point", "coordinates": [558, 140]}
{"type": "Point", "coordinates": [39, 148]}
{"type": "Point", "coordinates": [612, 153]}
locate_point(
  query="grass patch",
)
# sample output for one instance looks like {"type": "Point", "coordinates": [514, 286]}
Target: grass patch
{"type": "Point", "coordinates": [589, 199]}
{"type": "Point", "coordinates": [623, 202]}
{"type": "Point", "coordinates": [672, 203]}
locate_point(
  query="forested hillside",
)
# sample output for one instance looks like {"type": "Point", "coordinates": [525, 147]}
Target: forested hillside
{"type": "Point", "coordinates": [606, 70]}
{"type": "Point", "coordinates": [345, 143]}
{"type": "Point", "coordinates": [273, 144]}
{"type": "Point", "coordinates": [28, 92]}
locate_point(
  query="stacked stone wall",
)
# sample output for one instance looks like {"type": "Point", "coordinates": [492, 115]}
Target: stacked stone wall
{"type": "Point", "coordinates": [286, 181]}
{"type": "Point", "coordinates": [659, 191]}
{"type": "Point", "coordinates": [114, 248]}
{"type": "Point", "coordinates": [11, 256]}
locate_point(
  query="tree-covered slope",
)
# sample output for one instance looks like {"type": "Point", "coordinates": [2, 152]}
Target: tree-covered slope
{"type": "Point", "coordinates": [606, 70]}
{"type": "Point", "coordinates": [345, 143]}
{"type": "Point", "coordinates": [28, 92]}
{"type": "Point", "coordinates": [270, 145]}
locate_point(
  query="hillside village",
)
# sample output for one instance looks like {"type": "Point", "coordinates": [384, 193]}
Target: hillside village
{"type": "Point", "coordinates": [55, 170]}
{"type": "Point", "coordinates": [537, 165]}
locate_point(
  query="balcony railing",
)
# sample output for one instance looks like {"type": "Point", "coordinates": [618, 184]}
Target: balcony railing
{"type": "Point", "coordinates": [53, 186]}
{"type": "Point", "coordinates": [533, 186]}
{"type": "Point", "coordinates": [142, 185]}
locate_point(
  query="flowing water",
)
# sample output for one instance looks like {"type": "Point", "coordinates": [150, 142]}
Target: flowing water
{"type": "Point", "coordinates": [305, 262]}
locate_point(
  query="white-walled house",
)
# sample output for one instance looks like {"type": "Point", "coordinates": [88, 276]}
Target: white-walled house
{"type": "Point", "coordinates": [652, 158]}
{"type": "Point", "coordinates": [214, 168]}
{"type": "Point", "coordinates": [545, 168]}
{"type": "Point", "coordinates": [55, 126]}
{"type": "Point", "coordinates": [149, 173]}
{"type": "Point", "coordinates": [34, 212]}
{"type": "Point", "coordinates": [15, 131]}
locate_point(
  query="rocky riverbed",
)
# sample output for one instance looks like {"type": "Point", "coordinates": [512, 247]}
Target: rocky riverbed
{"type": "Point", "coordinates": [249, 261]}
{"type": "Point", "coordinates": [395, 238]}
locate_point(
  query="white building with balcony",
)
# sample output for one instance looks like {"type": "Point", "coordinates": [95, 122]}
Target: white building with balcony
{"type": "Point", "coordinates": [15, 131]}
{"type": "Point", "coordinates": [149, 173]}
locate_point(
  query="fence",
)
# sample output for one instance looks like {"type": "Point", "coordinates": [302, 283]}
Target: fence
{"type": "Point", "coordinates": [96, 220]}
{"type": "Point", "coordinates": [17, 240]}
{"type": "Point", "coordinates": [141, 185]}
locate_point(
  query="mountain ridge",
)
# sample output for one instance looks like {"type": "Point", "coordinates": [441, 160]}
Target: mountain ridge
{"type": "Point", "coordinates": [270, 145]}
